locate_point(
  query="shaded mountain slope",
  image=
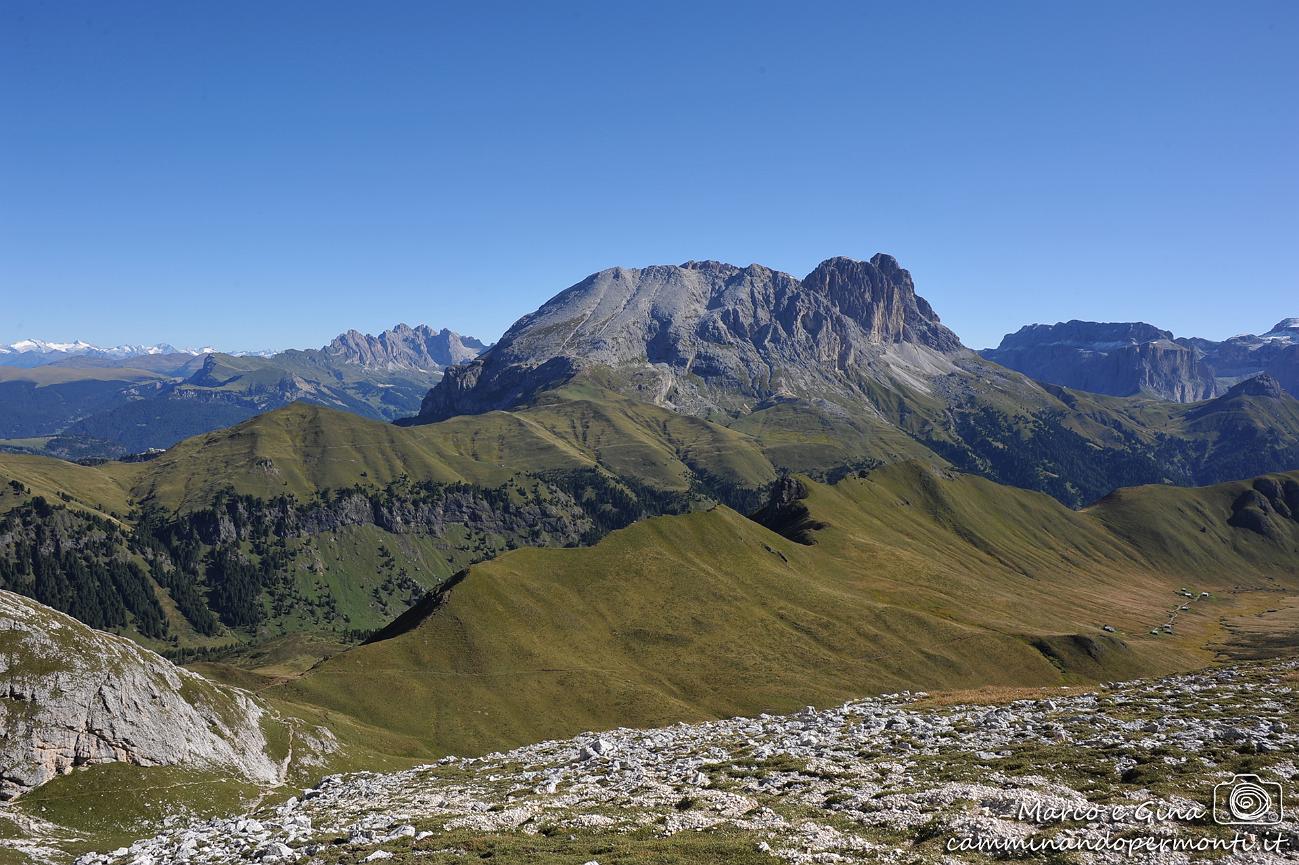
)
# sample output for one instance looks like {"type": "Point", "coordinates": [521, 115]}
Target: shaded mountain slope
{"type": "Point", "coordinates": [44, 400]}
{"type": "Point", "coordinates": [1078, 446]}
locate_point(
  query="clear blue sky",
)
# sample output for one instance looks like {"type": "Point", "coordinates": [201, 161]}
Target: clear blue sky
{"type": "Point", "coordinates": [257, 174]}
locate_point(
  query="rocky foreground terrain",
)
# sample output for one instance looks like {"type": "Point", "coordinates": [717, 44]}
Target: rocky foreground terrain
{"type": "Point", "coordinates": [72, 696]}
{"type": "Point", "coordinates": [1129, 769]}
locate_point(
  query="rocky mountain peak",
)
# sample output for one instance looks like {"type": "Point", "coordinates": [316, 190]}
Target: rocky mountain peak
{"type": "Point", "coordinates": [706, 335]}
{"type": "Point", "coordinates": [880, 295]}
{"type": "Point", "coordinates": [712, 266]}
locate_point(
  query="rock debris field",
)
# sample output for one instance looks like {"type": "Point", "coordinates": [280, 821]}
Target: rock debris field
{"type": "Point", "coordinates": [1127, 768]}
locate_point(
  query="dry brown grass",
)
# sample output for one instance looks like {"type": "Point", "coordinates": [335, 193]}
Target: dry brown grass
{"type": "Point", "coordinates": [997, 695]}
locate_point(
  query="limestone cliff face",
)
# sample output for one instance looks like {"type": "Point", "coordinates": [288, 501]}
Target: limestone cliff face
{"type": "Point", "coordinates": [1117, 358]}
{"type": "Point", "coordinates": [72, 696]}
{"type": "Point", "coordinates": [1128, 358]}
{"type": "Point", "coordinates": [704, 336]}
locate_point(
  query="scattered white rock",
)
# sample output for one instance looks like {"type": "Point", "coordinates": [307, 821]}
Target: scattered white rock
{"type": "Point", "coordinates": [814, 787]}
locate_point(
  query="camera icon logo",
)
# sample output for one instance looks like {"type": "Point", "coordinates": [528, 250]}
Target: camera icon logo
{"type": "Point", "coordinates": [1247, 800]}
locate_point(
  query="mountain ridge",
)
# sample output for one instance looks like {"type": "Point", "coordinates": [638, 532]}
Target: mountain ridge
{"type": "Point", "coordinates": [995, 584]}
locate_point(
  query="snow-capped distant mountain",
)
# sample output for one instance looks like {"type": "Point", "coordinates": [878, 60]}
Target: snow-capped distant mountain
{"type": "Point", "coordinates": [38, 352]}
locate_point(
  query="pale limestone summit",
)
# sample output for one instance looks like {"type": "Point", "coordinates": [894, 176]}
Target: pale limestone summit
{"type": "Point", "coordinates": [705, 336]}
{"type": "Point", "coordinates": [72, 696]}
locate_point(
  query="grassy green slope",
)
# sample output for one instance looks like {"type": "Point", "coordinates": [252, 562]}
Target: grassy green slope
{"type": "Point", "coordinates": [918, 580]}
{"type": "Point", "coordinates": [1185, 531]}
{"type": "Point", "coordinates": [296, 450]}
{"type": "Point", "coordinates": [304, 448]}
{"type": "Point", "coordinates": [102, 489]}
{"type": "Point", "coordinates": [800, 436]}
{"type": "Point", "coordinates": [638, 440]}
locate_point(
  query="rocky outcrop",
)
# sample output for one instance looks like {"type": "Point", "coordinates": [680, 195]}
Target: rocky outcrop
{"type": "Point", "coordinates": [73, 696]}
{"type": "Point", "coordinates": [786, 514]}
{"type": "Point", "coordinates": [879, 295]}
{"type": "Point", "coordinates": [706, 336]}
{"type": "Point", "coordinates": [1262, 385]}
{"type": "Point", "coordinates": [404, 347]}
{"type": "Point", "coordinates": [436, 510]}
{"type": "Point", "coordinates": [1117, 358]}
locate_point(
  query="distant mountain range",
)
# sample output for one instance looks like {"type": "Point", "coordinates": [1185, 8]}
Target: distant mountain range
{"type": "Point", "coordinates": [404, 347]}
{"type": "Point", "coordinates": [37, 352]}
{"type": "Point", "coordinates": [80, 401]}
{"type": "Point", "coordinates": [1135, 358]}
